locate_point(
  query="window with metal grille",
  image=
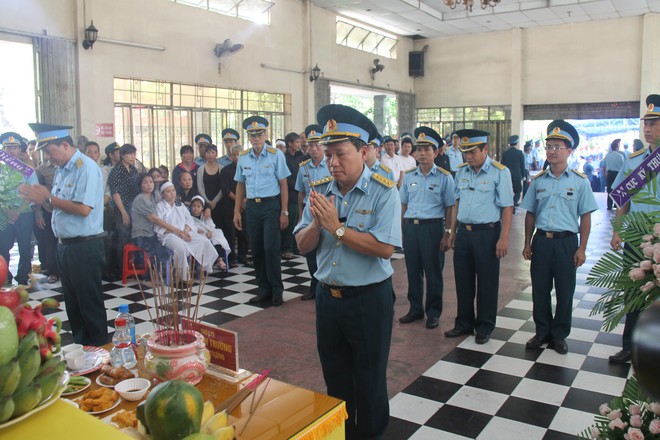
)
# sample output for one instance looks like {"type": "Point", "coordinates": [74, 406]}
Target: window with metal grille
{"type": "Point", "coordinates": [364, 38]}
{"type": "Point", "coordinates": [257, 11]}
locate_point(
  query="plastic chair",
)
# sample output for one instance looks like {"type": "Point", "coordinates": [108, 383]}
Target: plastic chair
{"type": "Point", "coordinates": [127, 267]}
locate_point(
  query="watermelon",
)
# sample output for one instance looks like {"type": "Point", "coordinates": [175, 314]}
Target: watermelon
{"type": "Point", "coordinates": [173, 410]}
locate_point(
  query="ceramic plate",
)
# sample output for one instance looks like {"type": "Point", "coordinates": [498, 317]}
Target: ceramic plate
{"type": "Point", "coordinates": [105, 410]}
{"type": "Point", "coordinates": [98, 382]}
{"type": "Point", "coordinates": [52, 399]}
{"type": "Point", "coordinates": [88, 382]}
{"type": "Point", "coordinates": [95, 358]}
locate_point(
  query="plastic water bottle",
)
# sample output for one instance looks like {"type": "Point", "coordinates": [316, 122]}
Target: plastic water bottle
{"type": "Point", "coordinates": [130, 321]}
{"type": "Point", "coordinates": [122, 353]}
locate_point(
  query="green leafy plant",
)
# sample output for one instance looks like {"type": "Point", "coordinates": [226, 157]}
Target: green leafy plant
{"type": "Point", "coordinates": [10, 200]}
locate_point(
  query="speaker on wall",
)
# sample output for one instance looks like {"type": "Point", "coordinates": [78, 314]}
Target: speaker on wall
{"type": "Point", "coordinates": [416, 63]}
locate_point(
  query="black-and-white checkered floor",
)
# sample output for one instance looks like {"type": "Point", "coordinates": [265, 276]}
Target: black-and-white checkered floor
{"type": "Point", "coordinates": [494, 391]}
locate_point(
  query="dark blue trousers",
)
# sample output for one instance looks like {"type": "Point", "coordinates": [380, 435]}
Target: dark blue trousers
{"type": "Point", "coordinates": [20, 232]}
{"type": "Point", "coordinates": [263, 226]}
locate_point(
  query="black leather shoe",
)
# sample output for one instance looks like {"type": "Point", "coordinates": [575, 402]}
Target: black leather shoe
{"type": "Point", "coordinates": [278, 301]}
{"type": "Point", "coordinates": [559, 345]}
{"type": "Point", "coordinates": [407, 319]}
{"type": "Point", "coordinates": [537, 341]}
{"type": "Point", "coordinates": [482, 338]}
{"type": "Point", "coordinates": [456, 332]}
{"type": "Point", "coordinates": [258, 300]}
{"type": "Point", "coordinates": [622, 357]}
{"type": "Point", "coordinates": [308, 296]}
{"type": "Point", "coordinates": [432, 322]}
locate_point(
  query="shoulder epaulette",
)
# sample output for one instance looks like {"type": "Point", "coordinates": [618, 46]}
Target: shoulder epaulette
{"type": "Point", "coordinates": [304, 162]}
{"type": "Point", "coordinates": [322, 181]}
{"type": "Point", "coordinates": [79, 162]}
{"type": "Point", "coordinates": [386, 168]}
{"type": "Point", "coordinates": [579, 173]}
{"type": "Point", "coordinates": [411, 170]}
{"type": "Point", "coordinates": [498, 165]}
{"type": "Point", "coordinates": [383, 180]}
{"type": "Point", "coordinates": [462, 165]}
{"type": "Point", "coordinates": [244, 152]}
{"type": "Point", "coordinates": [272, 150]}
{"type": "Point", "coordinates": [540, 174]}
{"type": "Point", "coordinates": [444, 171]}
{"type": "Point", "coordinates": [637, 153]}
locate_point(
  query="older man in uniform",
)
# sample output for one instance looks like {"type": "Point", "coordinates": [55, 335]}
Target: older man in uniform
{"type": "Point", "coordinates": [77, 204]}
{"type": "Point", "coordinates": [20, 218]}
{"type": "Point", "coordinates": [427, 198]}
{"type": "Point", "coordinates": [230, 138]}
{"type": "Point", "coordinates": [261, 173]}
{"type": "Point", "coordinates": [480, 237]}
{"type": "Point", "coordinates": [313, 172]}
{"type": "Point", "coordinates": [202, 140]}
{"type": "Point", "coordinates": [355, 220]}
{"type": "Point", "coordinates": [652, 137]}
{"type": "Point", "coordinates": [559, 204]}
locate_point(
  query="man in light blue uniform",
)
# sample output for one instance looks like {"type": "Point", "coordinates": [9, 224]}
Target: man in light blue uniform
{"type": "Point", "coordinates": [202, 140]}
{"type": "Point", "coordinates": [355, 220]}
{"type": "Point", "coordinates": [261, 174]}
{"type": "Point", "coordinates": [480, 235]}
{"type": "Point", "coordinates": [21, 218]}
{"type": "Point", "coordinates": [427, 198]}
{"type": "Point", "coordinates": [559, 204]}
{"type": "Point", "coordinates": [230, 138]}
{"type": "Point", "coordinates": [76, 201]}
{"type": "Point", "coordinates": [652, 137]}
{"type": "Point", "coordinates": [372, 159]}
{"type": "Point", "coordinates": [454, 153]}
{"type": "Point", "coordinates": [313, 172]}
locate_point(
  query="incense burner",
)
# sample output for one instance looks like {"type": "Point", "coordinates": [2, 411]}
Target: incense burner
{"type": "Point", "coordinates": [178, 355]}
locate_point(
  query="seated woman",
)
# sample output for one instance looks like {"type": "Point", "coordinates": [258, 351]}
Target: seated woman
{"type": "Point", "coordinates": [206, 227]}
{"type": "Point", "coordinates": [143, 214]}
{"type": "Point", "coordinates": [184, 241]}
{"type": "Point", "coordinates": [186, 190]}
{"type": "Point", "coordinates": [158, 181]}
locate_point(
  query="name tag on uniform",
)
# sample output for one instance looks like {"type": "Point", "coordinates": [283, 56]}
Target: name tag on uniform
{"type": "Point", "coordinates": [267, 165]}
{"type": "Point", "coordinates": [570, 193]}
{"type": "Point", "coordinates": [364, 211]}
{"type": "Point", "coordinates": [247, 168]}
{"type": "Point", "coordinates": [540, 190]}
{"type": "Point", "coordinates": [433, 185]}
{"type": "Point", "coordinates": [465, 180]}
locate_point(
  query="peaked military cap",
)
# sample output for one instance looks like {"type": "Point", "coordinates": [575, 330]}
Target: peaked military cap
{"type": "Point", "coordinates": [313, 132]}
{"type": "Point", "coordinates": [229, 133]}
{"type": "Point", "coordinates": [11, 138]}
{"type": "Point", "coordinates": [47, 133]}
{"type": "Point", "coordinates": [112, 147]}
{"type": "Point", "coordinates": [406, 135]}
{"type": "Point", "coordinates": [513, 140]}
{"type": "Point", "coordinates": [428, 136]}
{"type": "Point", "coordinates": [202, 137]}
{"type": "Point", "coordinates": [255, 123]}
{"type": "Point", "coordinates": [560, 129]}
{"type": "Point", "coordinates": [471, 139]}
{"type": "Point", "coordinates": [527, 146]}
{"type": "Point", "coordinates": [652, 107]}
{"type": "Point", "coordinates": [342, 123]}
{"type": "Point", "coordinates": [377, 141]}
{"type": "Point", "coordinates": [388, 139]}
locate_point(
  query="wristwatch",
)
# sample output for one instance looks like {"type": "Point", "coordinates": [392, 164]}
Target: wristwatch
{"type": "Point", "coordinates": [286, 213]}
{"type": "Point", "coordinates": [339, 233]}
{"type": "Point", "coordinates": [448, 231]}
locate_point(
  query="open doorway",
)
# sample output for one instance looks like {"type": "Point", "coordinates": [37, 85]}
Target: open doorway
{"type": "Point", "coordinates": [17, 87]}
{"type": "Point", "coordinates": [380, 107]}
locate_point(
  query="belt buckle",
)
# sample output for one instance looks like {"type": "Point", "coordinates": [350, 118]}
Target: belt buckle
{"type": "Point", "coordinates": [336, 293]}
{"type": "Point", "coordinates": [415, 221]}
{"type": "Point", "coordinates": [257, 200]}
{"type": "Point", "coordinates": [550, 235]}
{"type": "Point", "coordinates": [468, 227]}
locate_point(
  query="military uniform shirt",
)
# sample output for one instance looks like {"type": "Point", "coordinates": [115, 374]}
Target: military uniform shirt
{"type": "Point", "coordinates": [558, 202]}
{"type": "Point", "coordinates": [79, 181]}
{"type": "Point", "coordinates": [369, 207]}
{"type": "Point", "coordinates": [261, 174]}
{"type": "Point", "coordinates": [310, 173]}
{"type": "Point", "coordinates": [224, 161]}
{"type": "Point", "coordinates": [455, 158]}
{"type": "Point", "coordinates": [381, 169]}
{"type": "Point", "coordinates": [629, 165]}
{"type": "Point", "coordinates": [614, 161]}
{"type": "Point", "coordinates": [427, 196]}
{"type": "Point", "coordinates": [482, 195]}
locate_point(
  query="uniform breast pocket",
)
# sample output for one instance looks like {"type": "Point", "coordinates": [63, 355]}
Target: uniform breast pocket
{"type": "Point", "coordinates": [542, 198]}
{"type": "Point", "coordinates": [66, 192]}
{"type": "Point", "coordinates": [569, 198]}
{"type": "Point", "coordinates": [361, 222]}
{"type": "Point", "coordinates": [485, 187]}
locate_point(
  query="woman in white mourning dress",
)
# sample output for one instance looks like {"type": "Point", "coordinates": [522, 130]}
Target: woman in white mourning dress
{"type": "Point", "coordinates": [185, 241]}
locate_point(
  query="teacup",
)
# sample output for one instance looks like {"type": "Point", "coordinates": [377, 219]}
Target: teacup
{"type": "Point", "coordinates": [75, 360]}
{"type": "Point", "coordinates": [70, 348]}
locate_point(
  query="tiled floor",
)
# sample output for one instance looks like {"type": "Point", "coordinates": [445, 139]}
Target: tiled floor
{"type": "Point", "coordinates": [494, 391]}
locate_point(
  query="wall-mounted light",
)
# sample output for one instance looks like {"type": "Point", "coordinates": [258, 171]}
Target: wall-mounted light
{"type": "Point", "coordinates": [377, 68]}
{"type": "Point", "coordinates": [91, 34]}
{"type": "Point", "coordinates": [316, 72]}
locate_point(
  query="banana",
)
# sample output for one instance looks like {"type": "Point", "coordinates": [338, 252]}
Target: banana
{"type": "Point", "coordinates": [6, 408]}
{"type": "Point", "coordinates": [50, 381]}
{"type": "Point", "coordinates": [209, 410]}
{"type": "Point", "coordinates": [26, 399]}
{"type": "Point", "coordinates": [48, 366]}
{"type": "Point", "coordinates": [226, 433]}
{"type": "Point", "coordinates": [8, 336]}
{"type": "Point", "coordinates": [216, 422]}
{"type": "Point", "coordinates": [10, 374]}
{"type": "Point", "coordinates": [29, 361]}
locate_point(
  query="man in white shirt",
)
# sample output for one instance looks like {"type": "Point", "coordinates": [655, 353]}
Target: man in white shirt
{"type": "Point", "coordinates": [391, 160]}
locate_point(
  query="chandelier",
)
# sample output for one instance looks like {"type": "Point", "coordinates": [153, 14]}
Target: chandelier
{"type": "Point", "coordinates": [468, 3]}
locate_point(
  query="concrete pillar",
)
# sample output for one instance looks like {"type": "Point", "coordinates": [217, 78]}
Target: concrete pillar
{"type": "Point", "coordinates": [517, 115]}
{"type": "Point", "coordinates": [380, 112]}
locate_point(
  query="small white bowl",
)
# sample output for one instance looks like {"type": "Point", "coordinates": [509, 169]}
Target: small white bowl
{"type": "Point", "coordinates": [133, 389]}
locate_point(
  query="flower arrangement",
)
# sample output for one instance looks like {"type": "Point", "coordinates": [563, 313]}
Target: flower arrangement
{"type": "Point", "coordinates": [10, 200]}
{"type": "Point", "coordinates": [630, 417]}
